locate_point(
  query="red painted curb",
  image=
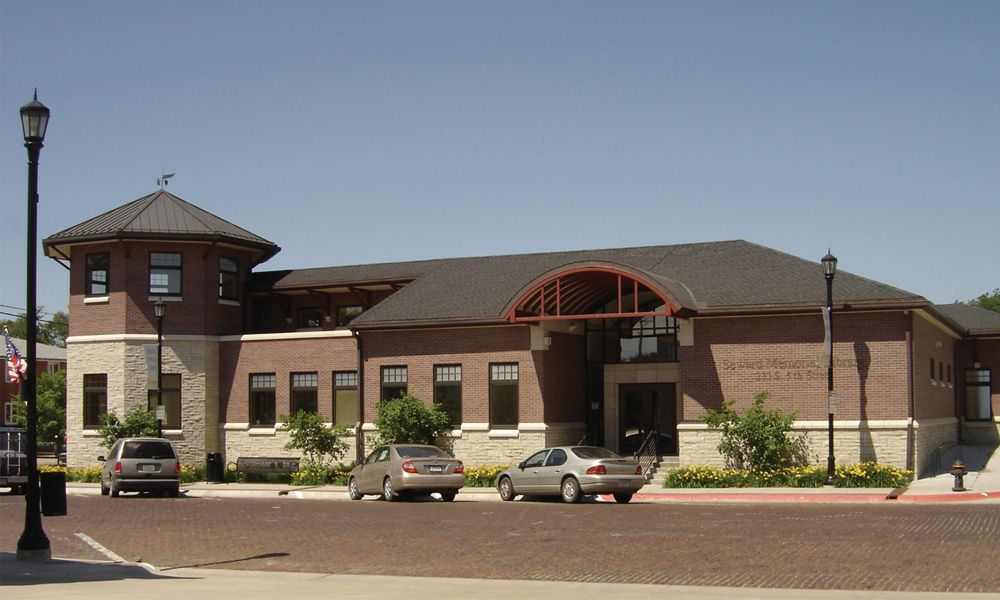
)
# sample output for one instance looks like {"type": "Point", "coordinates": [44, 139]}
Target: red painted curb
{"type": "Point", "coordinates": [952, 497]}
{"type": "Point", "coordinates": [710, 497]}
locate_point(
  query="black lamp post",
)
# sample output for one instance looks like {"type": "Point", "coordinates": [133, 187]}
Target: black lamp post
{"type": "Point", "coordinates": [829, 270]}
{"type": "Point", "coordinates": [33, 545]}
{"type": "Point", "coordinates": [161, 309]}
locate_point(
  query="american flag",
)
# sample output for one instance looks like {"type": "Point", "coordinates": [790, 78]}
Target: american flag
{"type": "Point", "coordinates": [17, 369]}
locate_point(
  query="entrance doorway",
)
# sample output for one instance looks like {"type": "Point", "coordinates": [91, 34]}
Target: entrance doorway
{"type": "Point", "coordinates": [646, 408]}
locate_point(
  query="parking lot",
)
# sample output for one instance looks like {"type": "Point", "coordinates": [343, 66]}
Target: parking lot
{"type": "Point", "coordinates": [824, 546]}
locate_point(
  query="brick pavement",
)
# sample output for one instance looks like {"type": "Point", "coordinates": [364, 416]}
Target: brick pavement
{"type": "Point", "coordinates": [850, 547]}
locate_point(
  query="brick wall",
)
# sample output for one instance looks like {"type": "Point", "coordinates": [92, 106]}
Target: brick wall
{"type": "Point", "coordinates": [933, 387]}
{"type": "Point", "coordinates": [735, 358]}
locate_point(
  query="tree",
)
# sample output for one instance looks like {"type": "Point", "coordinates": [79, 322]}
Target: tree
{"type": "Point", "coordinates": [760, 439]}
{"type": "Point", "coordinates": [52, 331]}
{"type": "Point", "coordinates": [50, 397]}
{"type": "Point", "coordinates": [321, 445]}
{"type": "Point", "coordinates": [990, 301]}
{"type": "Point", "coordinates": [405, 420]}
{"type": "Point", "coordinates": [137, 423]}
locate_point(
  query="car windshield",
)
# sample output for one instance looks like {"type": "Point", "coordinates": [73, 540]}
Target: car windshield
{"type": "Point", "coordinates": [594, 452]}
{"type": "Point", "coordinates": [421, 452]}
{"type": "Point", "coordinates": [147, 449]}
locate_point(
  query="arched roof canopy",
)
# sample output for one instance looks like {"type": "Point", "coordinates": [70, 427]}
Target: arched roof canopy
{"type": "Point", "coordinates": [592, 290]}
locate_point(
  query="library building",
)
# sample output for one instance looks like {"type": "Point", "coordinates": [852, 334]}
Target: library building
{"type": "Point", "coordinates": [614, 348]}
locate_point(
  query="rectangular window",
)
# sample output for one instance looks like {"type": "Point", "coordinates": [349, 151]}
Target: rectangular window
{"type": "Point", "coordinates": [310, 318]}
{"type": "Point", "coordinates": [165, 270]}
{"type": "Point", "coordinates": [346, 400]}
{"type": "Point", "coordinates": [262, 401]}
{"type": "Point", "coordinates": [8, 414]}
{"type": "Point", "coordinates": [95, 399]}
{"type": "Point", "coordinates": [503, 395]}
{"type": "Point", "coordinates": [949, 373]}
{"type": "Point", "coordinates": [978, 385]}
{"type": "Point", "coordinates": [346, 314]}
{"type": "Point", "coordinates": [304, 392]}
{"type": "Point", "coordinates": [97, 274]}
{"type": "Point", "coordinates": [393, 382]}
{"type": "Point", "coordinates": [940, 371]}
{"type": "Point", "coordinates": [448, 391]}
{"type": "Point", "coordinates": [932, 369]}
{"type": "Point", "coordinates": [171, 400]}
{"type": "Point", "coordinates": [229, 278]}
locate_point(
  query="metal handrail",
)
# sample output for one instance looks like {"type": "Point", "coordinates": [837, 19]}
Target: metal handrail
{"type": "Point", "coordinates": [647, 452]}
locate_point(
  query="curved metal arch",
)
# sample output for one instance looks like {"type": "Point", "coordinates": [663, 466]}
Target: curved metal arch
{"type": "Point", "coordinates": [572, 291]}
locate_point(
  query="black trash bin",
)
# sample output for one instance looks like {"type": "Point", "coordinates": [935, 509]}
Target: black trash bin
{"type": "Point", "coordinates": [214, 468]}
{"type": "Point", "coordinates": [53, 493]}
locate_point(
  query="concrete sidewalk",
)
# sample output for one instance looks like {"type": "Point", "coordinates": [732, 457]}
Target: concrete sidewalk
{"type": "Point", "coordinates": [50, 579]}
{"type": "Point", "coordinates": [982, 485]}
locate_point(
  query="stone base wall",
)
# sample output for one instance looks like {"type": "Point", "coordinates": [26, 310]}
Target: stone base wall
{"type": "Point", "coordinates": [481, 448]}
{"type": "Point", "coordinates": [982, 432]}
{"type": "Point", "coordinates": [929, 435]}
{"type": "Point", "coordinates": [241, 441]}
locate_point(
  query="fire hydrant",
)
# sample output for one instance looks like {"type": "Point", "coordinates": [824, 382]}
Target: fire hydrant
{"type": "Point", "coordinates": [958, 471]}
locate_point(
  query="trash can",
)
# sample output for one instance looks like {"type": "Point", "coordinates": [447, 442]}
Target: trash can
{"type": "Point", "coordinates": [53, 493]}
{"type": "Point", "coordinates": [214, 468]}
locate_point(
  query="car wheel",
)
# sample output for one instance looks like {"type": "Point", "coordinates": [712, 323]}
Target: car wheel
{"type": "Point", "coordinates": [352, 489]}
{"type": "Point", "coordinates": [623, 498]}
{"type": "Point", "coordinates": [104, 488]}
{"type": "Point", "coordinates": [447, 496]}
{"type": "Point", "coordinates": [114, 489]}
{"type": "Point", "coordinates": [570, 490]}
{"type": "Point", "coordinates": [506, 489]}
{"type": "Point", "coordinates": [387, 492]}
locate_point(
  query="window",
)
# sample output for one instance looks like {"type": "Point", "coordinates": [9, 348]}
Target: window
{"type": "Point", "coordinates": [304, 392]}
{"type": "Point", "coordinates": [262, 399]}
{"type": "Point", "coordinates": [229, 278]}
{"type": "Point", "coordinates": [629, 340]}
{"type": "Point", "coordinates": [932, 369]}
{"type": "Point", "coordinates": [536, 460]}
{"type": "Point", "coordinates": [977, 394]}
{"type": "Point", "coordinates": [556, 458]}
{"type": "Point", "coordinates": [393, 382]}
{"type": "Point", "coordinates": [171, 400]}
{"type": "Point", "coordinates": [346, 314]}
{"type": "Point", "coordinates": [503, 395]}
{"type": "Point", "coordinates": [949, 374]}
{"type": "Point", "coordinates": [310, 318]}
{"type": "Point", "coordinates": [941, 371]}
{"type": "Point", "coordinates": [346, 400]}
{"type": "Point", "coordinates": [448, 391]}
{"type": "Point", "coordinates": [165, 273]}
{"type": "Point", "coordinates": [97, 274]}
{"type": "Point", "coordinates": [8, 414]}
{"type": "Point", "coordinates": [95, 399]}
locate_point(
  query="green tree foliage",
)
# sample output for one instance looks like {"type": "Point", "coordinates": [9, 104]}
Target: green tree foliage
{"type": "Point", "coordinates": [137, 423]}
{"type": "Point", "coordinates": [760, 439]}
{"type": "Point", "coordinates": [50, 395]}
{"type": "Point", "coordinates": [990, 301]}
{"type": "Point", "coordinates": [405, 420]}
{"type": "Point", "coordinates": [52, 331]}
{"type": "Point", "coordinates": [320, 445]}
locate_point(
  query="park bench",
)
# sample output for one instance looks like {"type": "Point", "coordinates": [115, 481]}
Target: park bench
{"type": "Point", "coordinates": [262, 465]}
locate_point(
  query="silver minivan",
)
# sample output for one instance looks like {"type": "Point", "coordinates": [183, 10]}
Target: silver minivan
{"type": "Point", "coordinates": [140, 465]}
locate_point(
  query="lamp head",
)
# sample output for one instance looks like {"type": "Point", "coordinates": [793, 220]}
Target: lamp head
{"type": "Point", "coordinates": [160, 308]}
{"type": "Point", "coordinates": [829, 264]}
{"type": "Point", "coordinates": [34, 120]}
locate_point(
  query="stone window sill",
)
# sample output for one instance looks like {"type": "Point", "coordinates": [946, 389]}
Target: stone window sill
{"type": "Point", "coordinates": [97, 300]}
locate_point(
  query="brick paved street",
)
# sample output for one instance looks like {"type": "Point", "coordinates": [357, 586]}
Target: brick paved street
{"type": "Point", "coordinates": [850, 547]}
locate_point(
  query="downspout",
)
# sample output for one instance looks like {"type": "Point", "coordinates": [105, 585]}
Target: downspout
{"type": "Point", "coordinates": [359, 435]}
{"type": "Point", "coordinates": [910, 400]}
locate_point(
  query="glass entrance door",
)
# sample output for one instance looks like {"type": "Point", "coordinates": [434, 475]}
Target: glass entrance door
{"type": "Point", "coordinates": [645, 408]}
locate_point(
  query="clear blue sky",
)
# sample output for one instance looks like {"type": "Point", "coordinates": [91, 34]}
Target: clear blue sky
{"type": "Point", "coordinates": [383, 131]}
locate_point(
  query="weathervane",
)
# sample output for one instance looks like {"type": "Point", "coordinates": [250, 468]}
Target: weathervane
{"type": "Point", "coordinates": [162, 181]}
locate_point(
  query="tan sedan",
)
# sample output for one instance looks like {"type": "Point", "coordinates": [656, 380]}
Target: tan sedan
{"type": "Point", "coordinates": [402, 470]}
{"type": "Point", "coordinates": [572, 472]}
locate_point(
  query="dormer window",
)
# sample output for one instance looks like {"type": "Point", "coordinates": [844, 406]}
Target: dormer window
{"type": "Point", "coordinates": [97, 274]}
{"type": "Point", "coordinates": [165, 271]}
{"type": "Point", "coordinates": [310, 318]}
{"type": "Point", "coordinates": [346, 314]}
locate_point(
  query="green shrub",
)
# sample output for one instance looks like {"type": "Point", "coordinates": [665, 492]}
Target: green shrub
{"type": "Point", "coordinates": [137, 423]}
{"type": "Point", "coordinates": [759, 439]}
{"type": "Point", "coordinates": [312, 474]}
{"type": "Point", "coordinates": [405, 420]}
{"type": "Point", "coordinates": [320, 445]}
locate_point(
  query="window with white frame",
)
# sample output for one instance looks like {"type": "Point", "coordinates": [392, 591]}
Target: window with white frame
{"type": "Point", "coordinates": [393, 382]}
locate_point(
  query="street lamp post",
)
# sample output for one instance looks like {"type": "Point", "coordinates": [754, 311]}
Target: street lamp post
{"type": "Point", "coordinates": [161, 309]}
{"type": "Point", "coordinates": [33, 545]}
{"type": "Point", "coordinates": [829, 270]}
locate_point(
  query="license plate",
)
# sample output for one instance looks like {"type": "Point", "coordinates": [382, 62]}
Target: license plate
{"type": "Point", "coordinates": [435, 469]}
{"type": "Point", "coordinates": [624, 483]}
{"type": "Point", "coordinates": [148, 468]}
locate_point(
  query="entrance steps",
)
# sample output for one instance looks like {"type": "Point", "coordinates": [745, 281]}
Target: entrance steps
{"type": "Point", "coordinates": [658, 473]}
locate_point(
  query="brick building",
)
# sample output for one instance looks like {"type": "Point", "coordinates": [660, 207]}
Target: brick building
{"type": "Point", "coordinates": [608, 346]}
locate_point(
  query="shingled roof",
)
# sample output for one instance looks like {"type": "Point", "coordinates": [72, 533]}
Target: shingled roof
{"type": "Point", "coordinates": [977, 321]}
{"type": "Point", "coordinates": [706, 278]}
{"type": "Point", "coordinates": [160, 215]}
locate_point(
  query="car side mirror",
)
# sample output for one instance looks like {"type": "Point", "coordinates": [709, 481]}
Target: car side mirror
{"type": "Point", "coordinates": [100, 459]}
{"type": "Point", "coordinates": [520, 465]}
